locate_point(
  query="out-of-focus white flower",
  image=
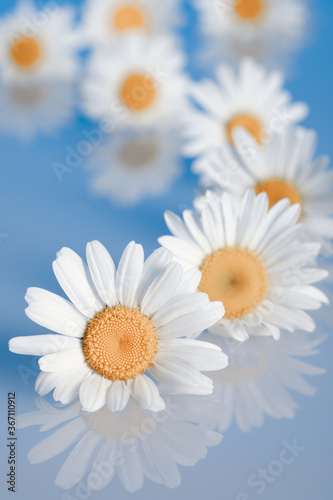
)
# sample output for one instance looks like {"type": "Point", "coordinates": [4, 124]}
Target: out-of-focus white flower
{"type": "Point", "coordinates": [284, 169]}
{"type": "Point", "coordinates": [104, 20]}
{"type": "Point", "coordinates": [38, 44]}
{"type": "Point", "coordinates": [253, 99]}
{"type": "Point", "coordinates": [136, 82]}
{"type": "Point", "coordinates": [267, 30]}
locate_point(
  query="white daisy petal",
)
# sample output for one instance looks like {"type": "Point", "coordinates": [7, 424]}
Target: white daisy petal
{"type": "Point", "coordinates": [55, 313]}
{"type": "Point", "coordinates": [63, 360]}
{"type": "Point", "coordinates": [191, 325]}
{"type": "Point", "coordinates": [93, 392]}
{"type": "Point", "coordinates": [68, 389]}
{"type": "Point", "coordinates": [102, 270]}
{"type": "Point", "coordinates": [180, 306]}
{"type": "Point", "coordinates": [118, 396]}
{"type": "Point", "coordinates": [129, 274]}
{"type": "Point", "coordinates": [40, 345]}
{"type": "Point", "coordinates": [145, 391]}
{"type": "Point", "coordinates": [203, 355]}
{"type": "Point", "coordinates": [152, 267]}
{"type": "Point", "coordinates": [74, 278]}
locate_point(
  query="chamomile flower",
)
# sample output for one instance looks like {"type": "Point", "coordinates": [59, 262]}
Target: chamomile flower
{"type": "Point", "coordinates": [251, 259]}
{"type": "Point", "coordinates": [120, 325]}
{"type": "Point", "coordinates": [264, 29]}
{"type": "Point", "coordinates": [135, 164]}
{"type": "Point", "coordinates": [105, 20]}
{"type": "Point", "coordinates": [38, 44]}
{"type": "Point", "coordinates": [136, 82]}
{"type": "Point", "coordinates": [286, 168]}
{"type": "Point", "coordinates": [254, 99]}
{"type": "Point", "coordinates": [148, 442]}
{"type": "Point", "coordinates": [261, 377]}
{"type": "Point", "coordinates": [38, 107]}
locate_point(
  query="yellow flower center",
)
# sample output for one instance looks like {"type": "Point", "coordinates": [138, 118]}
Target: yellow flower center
{"type": "Point", "coordinates": [246, 121]}
{"type": "Point", "coordinates": [237, 277]}
{"type": "Point", "coordinates": [138, 92]}
{"type": "Point", "coordinates": [26, 52]}
{"type": "Point", "coordinates": [112, 426]}
{"type": "Point", "coordinates": [249, 10]}
{"type": "Point", "coordinates": [277, 189]}
{"type": "Point", "coordinates": [129, 17]}
{"type": "Point", "coordinates": [120, 343]}
{"type": "Point", "coordinates": [139, 153]}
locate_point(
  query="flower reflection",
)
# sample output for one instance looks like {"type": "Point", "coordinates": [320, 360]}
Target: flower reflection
{"type": "Point", "coordinates": [133, 445]}
{"type": "Point", "coordinates": [260, 376]}
{"type": "Point", "coordinates": [29, 109]}
{"type": "Point", "coordinates": [135, 164]}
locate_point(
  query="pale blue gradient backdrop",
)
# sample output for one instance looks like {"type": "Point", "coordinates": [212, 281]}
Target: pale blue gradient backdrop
{"type": "Point", "coordinates": [39, 215]}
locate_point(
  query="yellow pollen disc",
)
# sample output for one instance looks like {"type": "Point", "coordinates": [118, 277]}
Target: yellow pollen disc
{"type": "Point", "coordinates": [249, 10]}
{"type": "Point", "coordinates": [246, 121]}
{"type": "Point", "coordinates": [25, 52]}
{"type": "Point", "coordinates": [277, 189]}
{"type": "Point", "coordinates": [139, 153]}
{"type": "Point", "coordinates": [129, 17]}
{"type": "Point", "coordinates": [138, 92]}
{"type": "Point", "coordinates": [120, 343]}
{"type": "Point", "coordinates": [235, 276]}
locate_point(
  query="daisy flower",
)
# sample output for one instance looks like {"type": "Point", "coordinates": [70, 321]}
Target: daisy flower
{"type": "Point", "coordinates": [38, 44]}
{"type": "Point", "coordinates": [261, 377]}
{"type": "Point", "coordinates": [148, 443]}
{"type": "Point", "coordinates": [29, 109]}
{"type": "Point", "coordinates": [263, 29]}
{"type": "Point", "coordinates": [105, 20]}
{"type": "Point", "coordinates": [250, 258]}
{"type": "Point", "coordinates": [253, 99]}
{"type": "Point", "coordinates": [136, 82]}
{"type": "Point", "coordinates": [120, 325]}
{"type": "Point", "coordinates": [136, 164]}
{"type": "Point", "coordinates": [286, 168]}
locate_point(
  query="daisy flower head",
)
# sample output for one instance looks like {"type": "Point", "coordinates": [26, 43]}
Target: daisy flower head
{"type": "Point", "coordinates": [120, 325]}
{"type": "Point", "coordinates": [28, 109]}
{"type": "Point", "coordinates": [262, 377]}
{"type": "Point", "coordinates": [105, 20]}
{"type": "Point", "coordinates": [264, 29]}
{"type": "Point", "coordinates": [250, 259]}
{"type": "Point", "coordinates": [38, 44]}
{"type": "Point", "coordinates": [136, 82]}
{"type": "Point", "coordinates": [286, 168]}
{"type": "Point", "coordinates": [253, 99]}
{"type": "Point", "coordinates": [147, 442]}
{"type": "Point", "coordinates": [136, 164]}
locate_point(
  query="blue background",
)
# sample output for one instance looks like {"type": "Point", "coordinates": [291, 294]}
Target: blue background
{"type": "Point", "coordinates": [39, 215]}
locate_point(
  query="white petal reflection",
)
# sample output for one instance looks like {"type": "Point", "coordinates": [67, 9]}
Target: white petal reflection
{"type": "Point", "coordinates": [260, 377]}
{"type": "Point", "coordinates": [132, 165]}
{"type": "Point", "coordinates": [133, 444]}
{"type": "Point", "coordinates": [29, 109]}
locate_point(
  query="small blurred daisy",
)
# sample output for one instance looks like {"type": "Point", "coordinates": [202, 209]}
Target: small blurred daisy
{"type": "Point", "coordinates": [136, 82]}
{"type": "Point", "coordinates": [260, 376]}
{"type": "Point", "coordinates": [264, 29]}
{"type": "Point", "coordinates": [253, 99]}
{"type": "Point", "coordinates": [38, 44]}
{"type": "Point", "coordinates": [148, 443]}
{"type": "Point", "coordinates": [104, 20]}
{"type": "Point", "coordinates": [284, 169]}
{"type": "Point", "coordinates": [135, 164]}
{"type": "Point", "coordinates": [120, 325]}
{"type": "Point", "coordinates": [29, 109]}
{"type": "Point", "coordinates": [250, 258]}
